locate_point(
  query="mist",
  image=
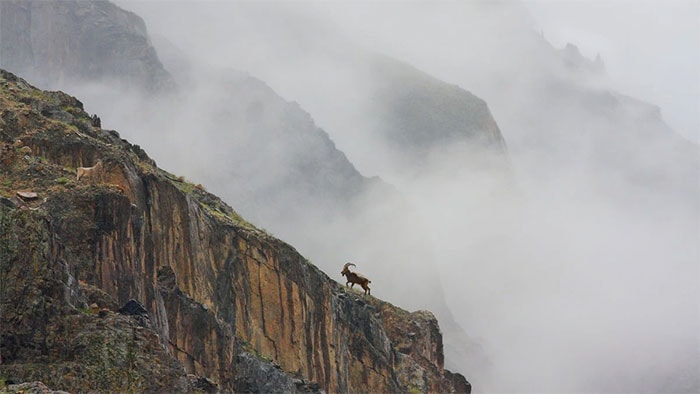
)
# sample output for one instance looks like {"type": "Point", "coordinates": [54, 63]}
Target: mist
{"type": "Point", "coordinates": [573, 267]}
{"type": "Point", "coordinates": [650, 50]}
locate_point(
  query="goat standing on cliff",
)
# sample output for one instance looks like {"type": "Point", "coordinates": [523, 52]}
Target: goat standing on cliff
{"type": "Point", "coordinates": [90, 172]}
{"type": "Point", "coordinates": [356, 277]}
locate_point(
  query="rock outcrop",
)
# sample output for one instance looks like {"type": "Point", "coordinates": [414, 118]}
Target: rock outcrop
{"type": "Point", "coordinates": [79, 41]}
{"type": "Point", "coordinates": [229, 307]}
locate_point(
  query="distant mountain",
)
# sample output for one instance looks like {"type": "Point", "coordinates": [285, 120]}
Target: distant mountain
{"type": "Point", "coordinates": [63, 42]}
{"type": "Point", "coordinates": [557, 109]}
{"type": "Point", "coordinates": [421, 115]}
{"type": "Point", "coordinates": [584, 113]}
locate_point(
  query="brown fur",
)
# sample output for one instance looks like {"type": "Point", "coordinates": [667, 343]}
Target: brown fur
{"type": "Point", "coordinates": [356, 277]}
{"type": "Point", "coordinates": [90, 172]}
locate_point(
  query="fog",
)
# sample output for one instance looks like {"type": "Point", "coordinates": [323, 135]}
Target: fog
{"type": "Point", "coordinates": [574, 269]}
{"type": "Point", "coordinates": [651, 50]}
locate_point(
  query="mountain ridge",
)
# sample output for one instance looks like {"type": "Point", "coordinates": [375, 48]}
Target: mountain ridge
{"type": "Point", "coordinates": [211, 283]}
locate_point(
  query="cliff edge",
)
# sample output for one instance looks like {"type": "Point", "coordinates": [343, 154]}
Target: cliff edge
{"type": "Point", "coordinates": [217, 304]}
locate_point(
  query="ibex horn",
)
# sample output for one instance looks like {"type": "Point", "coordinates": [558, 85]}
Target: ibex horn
{"type": "Point", "coordinates": [347, 264]}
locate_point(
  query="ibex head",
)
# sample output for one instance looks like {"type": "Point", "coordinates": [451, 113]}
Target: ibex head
{"type": "Point", "coordinates": [346, 270]}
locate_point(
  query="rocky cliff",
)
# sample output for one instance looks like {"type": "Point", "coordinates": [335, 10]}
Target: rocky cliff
{"type": "Point", "coordinates": [226, 307]}
{"type": "Point", "coordinates": [58, 42]}
{"type": "Point", "coordinates": [263, 152]}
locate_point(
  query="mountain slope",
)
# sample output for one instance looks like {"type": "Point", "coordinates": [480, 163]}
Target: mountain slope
{"type": "Point", "coordinates": [268, 157]}
{"type": "Point", "coordinates": [263, 152]}
{"type": "Point", "coordinates": [224, 298]}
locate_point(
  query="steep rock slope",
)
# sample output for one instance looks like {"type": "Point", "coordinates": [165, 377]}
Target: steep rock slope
{"type": "Point", "coordinates": [272, 160]}
{"type": "Point", "coordinates": [239, 309]}
{"type": "Point", "coordinates": [264, 154]}
{"type": "Point", "coordinates": [58, 42]}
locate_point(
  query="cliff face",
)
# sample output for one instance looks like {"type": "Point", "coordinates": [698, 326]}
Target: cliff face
{"type": "Point", "coordinates": [226, 301]}
{"type": "Point", "coordinates": [56, 42]}
{"type": "Point", "coordinates": [263, 152]}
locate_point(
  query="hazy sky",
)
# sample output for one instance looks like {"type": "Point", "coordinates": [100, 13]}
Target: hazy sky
{"type": "Point", "coordinates": [651, 48]}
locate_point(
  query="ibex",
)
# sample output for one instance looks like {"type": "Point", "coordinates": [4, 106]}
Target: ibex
{"type": "Point", "coordinates": [356, 277]}
{"type": "Point", "coordinates": [90, 171]}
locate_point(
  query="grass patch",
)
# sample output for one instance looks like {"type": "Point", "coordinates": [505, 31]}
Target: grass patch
{"type": "Point", "coordinates": [85, 311]}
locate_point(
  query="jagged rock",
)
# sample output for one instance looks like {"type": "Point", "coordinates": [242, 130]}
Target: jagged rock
{"type": "Point", "coordinates": [459, 382]}
{"type": "Point", "coordinates": [8, 202]}
{"type": "Point", "coordinates": [166, 279]}
{"type": "Point", "coordinates": [304, 386]}
{"type": "Point", "coordinates": [575, 61]}
{"type": "Point", "coordinates": [92, 354]}
{"type": "Point", "coordinates": [95, 295]}
{"type": "Point", "coordinates": [137, 311]}
{"type": "Point", "coordinates": [257, 375]}
{"type": "Point", "coordinates": [27, 195]}
{"type": "Point", "coordinates": [202, 384]}
{"type": "Point", "coordinates": [133, 308]}
{"type": "Point", "coordinates": [95, 121]}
